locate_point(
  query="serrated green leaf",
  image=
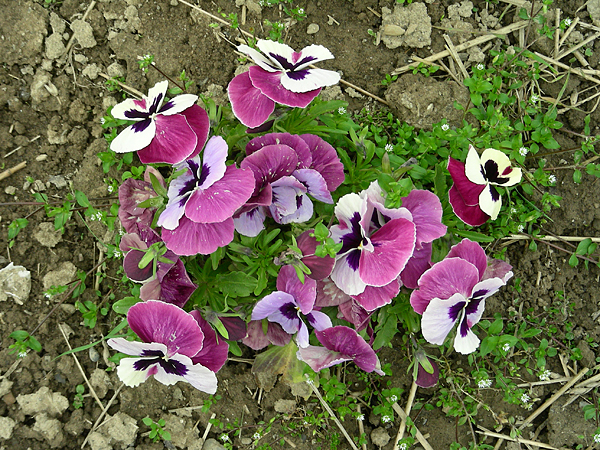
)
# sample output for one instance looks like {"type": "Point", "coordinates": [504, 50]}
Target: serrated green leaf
{"type": "Point", "coordinates": [236, 284]}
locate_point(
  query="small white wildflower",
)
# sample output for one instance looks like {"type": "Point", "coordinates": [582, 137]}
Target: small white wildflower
{"type": "Point", "coordinates": [545, 375]}
{"type": "Point", "coordinates": [552, 179]}
{"type": "Point", "coordinates": [117, 254]}
{"type": "Point", "coordinates": [597, 438]}
{"type": "Point", "coordinates": [360, 417]}
{"type": "Point", "coordinates": [256, 436]}
{"type": "Point", "coordinates": [402, 446]}
{"type": "Point", "coordinates": [47, 295]}
{"type": "Point", "coordinates": [301, 11]}
{"type": "Point", "coordinates": [393, 398]}
{"type": "Point", "coordinates": [480, 66]}
{"type": "Point", "coordinates": [506, 347]}
{"type": "Point", "coordinates": [102, 120]}
{"type": "Point", "coordinates": [389, 148]}
{"type": "Point", "coordinates": [341, 110]}
{"type": "Point", "coordinates": [523, 151]}
{"type": "Point", "coordinates": [525, 398]}
{"type": "Point", "coordinates": [121, 232]}
{"type": "Point", "coordinates": [22, 354]}
{"type": "Point", "coordinates": [110, 189]}
{"type": "Point", "coordinates": [484, 384]}
{"type": "Point", "coordinates": [520, 228]}
{"type": "Point", "coordinates": [527, 406]}
{"type": "Point", "coordinates": [224, 437]}
{"type": "Point", "coordinates": [568, 22]}
{"type": "Point", "coordinates": [445, 127]}
{"type": "Point", "coordinates": [513, 210]}
{"type": "Point", "coordinates": [534, 98]}
{"type": "Point", "coordinates": [386, 419]}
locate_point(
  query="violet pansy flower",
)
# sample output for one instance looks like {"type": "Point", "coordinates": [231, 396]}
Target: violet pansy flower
{"type": "Point", "coordinates": [202, 201]}
{"type": "Point", "coordinates": [164, 279]}
{"type": "Point", "coordinates": [473, 196]}
{"type": "Point", "coordinates": [453, 292]}
{"type": "Point", "coordinates": [168, 132]}
{"type": "Point", "coordinates": [171, 338]}
{"type": "Point", "coordinates": [281, 76]}
{"type": "Point", "coordinates": [340, 344]}
{"type": "Point", "coordinates": [292, 301]}
{"type": "Point", "coordinates": [133, 192]}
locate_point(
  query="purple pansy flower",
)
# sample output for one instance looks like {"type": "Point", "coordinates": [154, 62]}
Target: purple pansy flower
{"type": "Point", "coordinates": [454, 291]}
{"type": "Point", "coordinates": [171, 338]}
{"type": "Point", "coordinates": [133, 192]}
{"type": "Point", "coordinates": [287, 168]}
{"type": "Point", "coordinates": [473, 196]}
{"type": "Point", "coordinates": [256, 338]}
{"type": "Point", "coordinates": [369, 257]}
{"type": "Point", "coordinates": [428, 372]}
{"type": "Point", "coordinates": [320, 267]}
{"type": "Point", "coordinates": [162, 133]}
{"type": "Point", "coordinates": [291, 301]}
{"type": "Point", "coordinates": [340, 344]}
{"type": "Point", "coordinates": [198, 216]}
{"type": "Point", "coordinates": [170, 283]}
{"type": "Point", "coordinates": [280, 76]}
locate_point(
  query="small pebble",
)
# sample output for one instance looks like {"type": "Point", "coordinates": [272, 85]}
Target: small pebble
{"type": "Point", "coordinates": [10, 190]}
{"type": "Point", "coordinates": [42, 157]}
{"type": "Point", "coordinates": [312, 28]}
{"type": "Point", "coordinates": [9, 399]}
{"type": "Point", "coordinates": [94, 355]}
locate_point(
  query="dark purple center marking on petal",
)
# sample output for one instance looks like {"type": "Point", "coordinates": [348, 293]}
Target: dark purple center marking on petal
{"type": "Point", "coordinates": [304, 60]}
{"type": "Point", "coordinates": [138, 127]}
{"type": "Point", "coordinates": [282, 61]}
{"type": "Point", "coordinates": [472, 306]}
{"type": "Point", "coordinates": [353, 259]}
{"type": "Point", "coordinates": [310, 318]}
{"type": "Point", "coordinates": [289, 311]}
{"type": "Point", "coordinates": [291, 67]}
{"type": "Point", "coordinates": [156, 103]}
{"type": "Point", "coordinates": [490, 172]}
{"type": "Point", "coordinates": [135, 114]}
{"type": "Point", "coordinates": [150, 353]}
{"type": "Point", "coordinates": [166, 106]}
{"type": "Point", "coordinates": [495, 193]}
{"type": "Point", "coordinates": [298, 75]}
{"type": "Point", "coordinates": [170, 366]}
{"type": "Point", "coordinates": [298, 201]}
{"type": "Point", "coordinates": [354, 238]}
{"type": "Point", "coordinates": [478, 295]}
{"type": "Point", "coordinates": [455, 310]}
{"type": "Point", "coordinates": [464, 327]}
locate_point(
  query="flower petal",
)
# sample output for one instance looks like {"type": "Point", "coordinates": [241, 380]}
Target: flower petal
{"type": "Point", "coordinates": [213, 162]}
{"type": "Point", "coordinates": [202, 378]}
{"type": "Point", "coordinates": [466, 344]}
{"type": "Point", "coordinates": [214, 352]}
{"type": "Point", "coordinates": [490, 201]}
{"type": "Point", "coordinates": [251, 223]}
{"type": "Point", "coordinates": [325, 160]}
{"type": "Point", "coordinates": [315, 183]}
{"type": "Point", "coordinates": [376, 297]}
{"type": "Point", "coordinates": [156, 96]}
{"type": "Point", "coordinates": [303, 152]}
{"type": "Point", "coordinates": [156, 321]}
{"type": "Point", "coordinates": [131, 194]}
{"type": "Point", "coordinates": [307, 80]}
{"type": "Point", "coordinates": [248, 103]}
{"type": "Point", "coordinates": [176, 285]}
{"type": "Point", "coordinates": [349, 343]}
{"type": "Point", "coordinates": [258, 58]}
{"type": "Point", "coordinates": [304, 294]}
{"type": "Point", "coordinates": [319, 358]}
{"type": "Point", "coordinates": [190, 238]}
{"type": "Point", "coordinates": [130, 109]}
{"type": "Point", "coordinates": [173, 142]}
{"type": "Point", "coordinates": [270, 304]}
{"type": "Point", "coordinates": [345, 273]}
{"type": "Point", "coordinates": [199, 122]}
{"type": "Point", "coordinates": [468, 190]}
{"type": "Point", "coordinates": [419, 262]}
{"type": "Point", "coordinates": [178, 104]}
{"type": "Point", "coordinates": [277, 52]}
{"type": "Point", "coordinates": [269, 164]}
{"type": "Point", "coordinates": [473, 167]}
{"type": "Point", "coordinates": [135, 137]}
{"type": "Point", "coordinates": [440, 316]}
{"type": "Point", "coordinates": [129, 375]}
{"type": "Point", "coordinates": [132, 269]}
{"type": "Point", "coordinates": [426, 210]}
{"type": "Point", "coordinates": [318, 320]}
{"type": "Point", "coordinates": [472, 252]}
{"type": "Point", "coordinates": [135, 348]}
{"type": "Point", "coordinates": [328, 294]}
{"type": "Point", "coordinates": [471, 215]}
{"type": "Point", "coordinates": [270, 85]}
{"type": "Point", "coordinates": [312, 54]}
{"type": "Point", "coordinates": [497, 168]}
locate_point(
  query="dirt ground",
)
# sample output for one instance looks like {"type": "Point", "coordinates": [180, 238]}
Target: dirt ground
{"type": "Point", "coordinates": [52, 97]}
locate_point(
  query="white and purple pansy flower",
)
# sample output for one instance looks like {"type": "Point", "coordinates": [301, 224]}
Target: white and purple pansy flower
{"type": "Point", "coordinates": [340, 344]}
{"type": "Point", "coordinates": [454, 291]}
{"type": "Point", "coordinates": [168, 132]}
{"type": "Point", "coordinates": [473, 196]}
{"type": "Point", "coordinates": [287, 169]}
{"type": "Point", "coordinates": [202, 201]}
{"type": "Point", "coordinates": [171, 338]}
{"type": "Point", "coordinates": [163, 276]}
{"type": "Point", "coordinates": [292, 301]}
{"type": "Point", "coordinates": [281, 76]}
{"type": "Point", "coordinates": [369, 257]}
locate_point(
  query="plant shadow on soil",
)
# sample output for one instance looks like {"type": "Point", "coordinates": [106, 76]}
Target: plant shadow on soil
{"type": "Point", "coordinates": [45, 92]}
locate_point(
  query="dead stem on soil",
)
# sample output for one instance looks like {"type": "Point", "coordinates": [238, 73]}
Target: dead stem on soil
{"type": "Point", "coordinates": [131, 90]}
{"type": "Point", "coordinates": [332, 414]}
{"type": "Point", "coordinates": [418, 434]}
{"type": "Point", "coordinates": [102, 414]}
{"type": "Point", "coordinates": [503, 437]}
{"type": "Point", "coordinates": [20, 146]}
{"type": "Point", "coordinates": [407, 409]}
{"type": "Point", "coordinates": [8, 172]}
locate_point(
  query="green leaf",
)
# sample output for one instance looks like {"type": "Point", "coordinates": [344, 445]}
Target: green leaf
{"type": "Point", "coordinates": [488, 345]}
{"type": "Point", "coordinates": [34, 344]}
{"type": "Point", "coordinates": [474, 236]}
{"type": "Point", "coordinates": [573, 260]}
{"type": "Point", "coordinates": [19, 335]}
{"type": "Point", "coordinates": [236, 284]}
{"type": "Point", "coordinates": [123, 305]}
{"type": "Point", "coordinates": [496, 327]}
{"type": "Point", "coordinates": [82, 199]}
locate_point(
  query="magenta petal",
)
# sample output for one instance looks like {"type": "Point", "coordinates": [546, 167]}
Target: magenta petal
{"type": "Point", "coordinates": [426, 379]}
{"type": "Point", "coordinates": [132, 269]}
{"type": "Point", "coordinates": [214, 353]}
{"type": "Point", "coordinates": [270, 85]}
{"type": "Point", "coordinates": [131, 241]}
{"type": "Point", "coordinates": [190, 238]}
{"type": "Point", "coordinates": [315, 183]}
{"type": "Point", "coordinates": [471, 215]}
{"type": "Point", "coordinates": [248, 103]}
{"type": "Point", "coordinates": [295, 142]}
{"type": "Point", "coordinates": [235, 326]}
{"type": "Point", "coordinates": [328, 294]}
{"type": "Point", "coordinates": [393, 245]}
{"type": "Point", "coordinates": [419, 262]}
{"type": "Point", "coordinates": [319, 358]}
{"type": "Point", "coordinates": [304, 293]}
{"type": "Point", "coordinates": [255, 338]}
{"type": "Point", "coordinates": [426, 210]}
{"type": "Point", "coordinates": [376, 297]}
{"type": "Point", "coordinates": [349, 343]}
{"type": "Point", "coordinates": [277, 335]}
{"type": "Point", "coordinates": [354, 313]}
{"type": "Point", "coordinates": [496, 268]}
{"type": "Point", "coordinates": [319, 267]}
{"type": "Point", "coordinates": [468, 190]}
{"type": "Point", "coordinates": [446, 278]}
{"type": "Point", "coordinates": [155, 321]}
{"type": "Point", "coordinates": [176, 285]}
{"type": "Point", "coordinates": [173, 143]}
{"type": "Point", "coordinates": [325, 161]}
{"type": "Point", "coordinates": [219, 201]}
{"type": "Point", "coordinates": [472, 252]}
{"type": "Point", "coordinates": [131, 194]}
{"type": "Point", "coordinates": [199, 122]}
{"type": "Point", "coordinates": [270, 163]}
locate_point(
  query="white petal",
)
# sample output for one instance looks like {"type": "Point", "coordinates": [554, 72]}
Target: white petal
{"type": "Point", "coordinates": [202, 379]}
{"type": "Point", "coordinates": [313, 79]}
{"type": "Point", "coordinates": [129, 375]}
{"type": "Point", "coordinates": [169, 379]}
{"type": "Point", "coordinates": [119, 110]}
{"type": "Point", "coordinates": [179, 103]}
{"type": "Point", "coordinates": [259, 59]}
{"type": "Point", "coordinates": [130, 140]}
{"type": "Point", "coordinates": [346, 278]}
{"type": "Point", "coordinates": [467, 344]}
{"type": "Point", "coordinates": [487, 203]}
{"type": "Point", "coordinates": [436, 322]}
{"type": "Point", "coordinates": [269, 47]}
{"type": "Point", "coordinates": [173, 212]}
{"type": "Point", "coordinates": [473, 167]}
{"type": "Point", "coordinates": [135, 348]}
{"type": "Point", "coordinates": [159, 90]}
{"type": "Point", "coordinates": [316, 53]}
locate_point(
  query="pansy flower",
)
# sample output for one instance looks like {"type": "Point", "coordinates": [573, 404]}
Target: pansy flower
{"type": "Point", "coordinates": [453, 292]}
{"type": "Point", "coordinates": [171, 338]}
{"type": "Point", "coordinates": [164, 277]}
{"type": "Point", "coordinates": [340, 344]}
{"type": "Point", "coordinates": [281, 76]}
{"type": "Point", "coordinates": [133, 192]}
{"type": "Point", "coordinates": [198, 216]}
{"type": "Point", "coordinates": [473, 196]}
{"type": "Point", "coordinates": [292, 301]}
{"type": "Point", "coordinates": [168, 132]}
